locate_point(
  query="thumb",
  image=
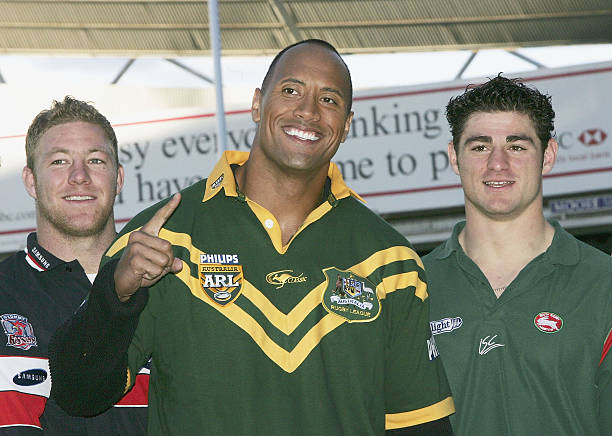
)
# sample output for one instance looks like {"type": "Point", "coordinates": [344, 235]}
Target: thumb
{"type": "Point", "coordinates": [177, 265]}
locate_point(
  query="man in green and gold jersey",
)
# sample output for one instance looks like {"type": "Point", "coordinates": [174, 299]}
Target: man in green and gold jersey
{"type": "Point", "coordinates": [270, 300]}
{"type": "Point", "coordinates": [520, 309]}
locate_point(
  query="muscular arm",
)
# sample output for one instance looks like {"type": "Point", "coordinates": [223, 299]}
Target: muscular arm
{"type": "Point", "coordinates": [88, 353]}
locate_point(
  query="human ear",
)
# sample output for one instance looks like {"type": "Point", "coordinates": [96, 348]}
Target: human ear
{"type": "Point", "coordinates": [347, 126]}
{"type": "Point", "coordinates": [550, 156]}
{"type": "Point", "coordinates": [120, 178]}
{"type": "Point", "coordinates": [452, 157]}
{"type": "Point", "coordinates": [256, 105]}
{"type": "Point", "coordinates": [29, 181]}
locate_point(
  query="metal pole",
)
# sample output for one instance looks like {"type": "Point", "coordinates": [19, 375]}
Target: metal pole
{"type": "Point", "coordinates": [215, 44]}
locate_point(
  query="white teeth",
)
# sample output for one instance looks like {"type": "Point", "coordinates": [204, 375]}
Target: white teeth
{"type": "Point", "coordinates": [306, 136]}
{"type": "Point", "coordinates": [497, 184]}
{"type": "Point", "coordinates": [78, 197]}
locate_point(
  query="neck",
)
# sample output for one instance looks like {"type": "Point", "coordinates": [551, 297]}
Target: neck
{"type": "Point", "coordinates": [87, 250]}
{"type": "Point", "coordinates": [289, 197]}
{"type": "Point", "coordinates": [503, 247]}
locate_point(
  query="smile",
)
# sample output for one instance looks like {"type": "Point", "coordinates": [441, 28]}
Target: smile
{"type": "Point", "coordinates": [78, 197]}
{"type": "Point", "coordinates": [498, 184]}
{"type": "Point", "coordinates": [301, 134]}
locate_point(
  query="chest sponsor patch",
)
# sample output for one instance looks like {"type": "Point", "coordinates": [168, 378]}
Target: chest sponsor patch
{"type": "Point", "coordinates": [350, 296]}
{"type": "Point", "coordinates": [445, 325]}
{"type": "Point", "coordinates": [30, 377]}
{"type": "Point", "coordinates": [221, 277]}
{"type": "Point", "coordinates": [18, 330]}
{"type": "Point", "coordinates": [548, 322]}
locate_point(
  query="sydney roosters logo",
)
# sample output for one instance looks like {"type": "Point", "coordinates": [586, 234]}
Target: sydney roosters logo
{"type": "Point", "coordinates": [18, 330]}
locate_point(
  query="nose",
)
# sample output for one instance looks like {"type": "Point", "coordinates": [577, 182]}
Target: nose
{"type": "Point", "coordinates": [307, 108]}
{"type": "Point", "coordinates": [79, 173]}
{"type": "Point", "coordinates": [498, 159]}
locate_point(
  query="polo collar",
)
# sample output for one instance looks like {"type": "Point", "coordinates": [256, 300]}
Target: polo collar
{"type": "Point", "coordinates": [451, 244]}
{"type": "Point", "coordinates": [39, 258]}
{"type": "Point", "coordinates": [222, 176]}
{"type": "Point", "coordinates": [563, 249]}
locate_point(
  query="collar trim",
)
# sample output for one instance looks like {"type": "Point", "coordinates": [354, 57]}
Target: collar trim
{"type": "Point", "coordinates": [37, 257]}
{"type": "Point", "coordinates": [222, 177]}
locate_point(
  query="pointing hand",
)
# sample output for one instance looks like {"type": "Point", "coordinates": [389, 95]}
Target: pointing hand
{"type": "Point", "coordinates": [147, 258]}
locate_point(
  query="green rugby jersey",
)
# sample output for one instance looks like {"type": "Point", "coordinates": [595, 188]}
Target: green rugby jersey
{"type": "Point", "coordinates": [326, 335]}
{"type": "Point", "coordinates": [533, 361]}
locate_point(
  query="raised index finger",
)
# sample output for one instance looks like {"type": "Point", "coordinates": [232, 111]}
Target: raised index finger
{"type": "Point", "coordinates": [157, 221]}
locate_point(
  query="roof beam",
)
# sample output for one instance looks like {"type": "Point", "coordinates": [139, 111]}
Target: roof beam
{"type": "Point", "coordinates": [538, 65]}
{"type": "Point", "coordinates": [287, 21]}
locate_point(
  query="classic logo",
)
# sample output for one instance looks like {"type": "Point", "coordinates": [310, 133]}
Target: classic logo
{"type": "Point", "coordinates": [592, 137]}
{"type": "Point", "coordinates": [30, 377]}
{"type": "Point", "coordinates": [18, 330]}
{"type": "Point", "coordinates": [221, 277]}
{"type": "Point", "coordinates": [548, 322]}
{"type": "Point", "coordinates": [280, 278]}
{"type": "Point", "coordinates": [487, 344]}
{"type": "Point", "coordinates": [445, 325]}
{"type": "Point", "coordinates": [349, 296]}
{"type": "Point", "coordinates": [216, 183]}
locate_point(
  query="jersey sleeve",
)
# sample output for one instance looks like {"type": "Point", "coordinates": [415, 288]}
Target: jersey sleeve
{"type": "Point", "coordinates": [88, 353]}
{"type": "Point", "coordinates": [416, 389]}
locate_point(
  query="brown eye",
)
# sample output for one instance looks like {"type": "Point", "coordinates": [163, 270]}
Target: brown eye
{"type": "Point", "coordinates": [328, 100]}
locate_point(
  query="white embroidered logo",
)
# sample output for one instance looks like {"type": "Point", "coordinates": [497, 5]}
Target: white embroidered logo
{"type": "Point", "coordinates": [487, 344]}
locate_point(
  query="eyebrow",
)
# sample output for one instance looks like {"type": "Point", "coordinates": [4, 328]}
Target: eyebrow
{"type": "Point", "coordinates": [509, 139]}
{"type": "Point", "coordinates": [325, 88]}
{"type": "Point", "coordinates": [480, 138]}
{"type": "Point", "coordinates": [514, 138]}
{"type": "Point", "coordinates": [66, 151]}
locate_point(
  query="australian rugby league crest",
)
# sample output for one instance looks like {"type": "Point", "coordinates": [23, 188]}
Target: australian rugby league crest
{"type": "Point", "coordinates": [221, 277]}
{"type": "Point", "coordinates": [350, 296]}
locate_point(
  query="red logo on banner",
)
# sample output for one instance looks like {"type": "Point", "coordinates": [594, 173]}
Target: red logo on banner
{"type": "Point", "coordinates": [593, 137]}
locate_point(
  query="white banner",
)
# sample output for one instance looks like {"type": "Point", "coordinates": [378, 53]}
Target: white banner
{"type": "Point", "coordinates": [395, 155]}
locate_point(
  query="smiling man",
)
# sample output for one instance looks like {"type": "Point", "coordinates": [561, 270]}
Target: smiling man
{"type": "Point", "coordinates": [521, 310]}
{"type": "Point", "coordinates": [341, 347]}
{"type": "Point", "coordinates": [73, 175]}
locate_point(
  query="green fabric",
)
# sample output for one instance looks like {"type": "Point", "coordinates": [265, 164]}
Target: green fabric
{"type": "Point", "coordinates": [210, 376]}
{"type": "Point", "coordinates": [537, 382]}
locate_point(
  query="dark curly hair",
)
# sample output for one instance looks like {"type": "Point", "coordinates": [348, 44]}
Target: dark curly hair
{"type": "Point", "coordinates": [501, 94]}
{"type": "Point", "coordinates": [318, 42]}
{"type": "Point", "coordinates": [66, 111]}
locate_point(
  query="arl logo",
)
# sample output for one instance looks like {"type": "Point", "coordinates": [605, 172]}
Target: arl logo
{"type": "Point", "coordinates": [280, 278]}
{"type": "Point", "coordinates": [18, 330]}
{"type": "Point", "coordinates": [221, 277]}
{"type": "Point", "coordinates": [349, 296]}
